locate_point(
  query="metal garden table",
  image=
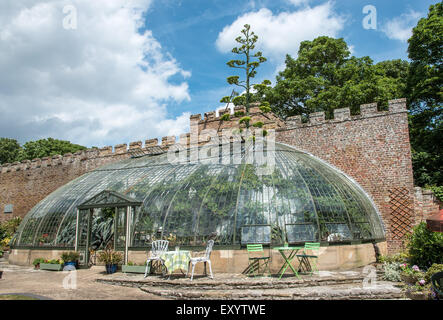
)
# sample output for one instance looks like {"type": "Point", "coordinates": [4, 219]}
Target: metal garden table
{"type": "Point", "coordinates": [288, 259]}
{"type": "Point", "coordinates": [176, 260]}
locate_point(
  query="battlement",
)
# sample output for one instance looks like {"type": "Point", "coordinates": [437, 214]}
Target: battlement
{"type": "Point", "coordinates": [209, 121]}
{"type": "Point", "coordinates": [88, 154]}
{"type": "Point", "coordinates": [344, 114]}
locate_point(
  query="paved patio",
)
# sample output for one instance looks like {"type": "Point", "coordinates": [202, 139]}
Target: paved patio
{"type": "Point", "coordinates": [49, 285]}
{"type": "Point", "coordinates": [95, 284]}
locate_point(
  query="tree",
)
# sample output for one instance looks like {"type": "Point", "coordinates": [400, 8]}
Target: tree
{"type": "Point", "coordinates": [48, 147]}
{"type": "Point", "coordinates": [325, 77]}
{"type": "Point", "coordinates": [424, 92]}
{"type": "Point", "coordinates": [9, 150]}
{"type": "Point", "coordinates": [249, 65]}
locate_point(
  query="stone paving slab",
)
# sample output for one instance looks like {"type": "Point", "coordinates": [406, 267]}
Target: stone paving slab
{"type": "Point", "coordinates": [49, 284]}
{"type": "Point", "coordinates": [382, 290]}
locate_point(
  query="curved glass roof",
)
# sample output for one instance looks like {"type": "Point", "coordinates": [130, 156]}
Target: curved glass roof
{"type": "Point", "coordinates": [301, 199]}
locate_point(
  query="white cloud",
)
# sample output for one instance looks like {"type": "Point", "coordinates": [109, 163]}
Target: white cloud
{"type": "Point", "coordinates": [400, 28]}
{"type": "Point", "coordinates": [299, 2]}
{"type": "Point", "coordinates": [101, 83]}
{"type": "Point", "coordinates": [282, 33]}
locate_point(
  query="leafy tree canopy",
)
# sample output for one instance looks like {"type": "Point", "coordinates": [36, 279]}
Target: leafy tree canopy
{"type": "Point", "coordinates": [325, 77]}
{"type": "Point", "coordinates": [424, 92]}
{"type": "Point", "coordinates": [11, 151]}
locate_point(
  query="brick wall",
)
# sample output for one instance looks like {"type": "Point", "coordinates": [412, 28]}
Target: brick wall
{"type": "Point", "coordinates": [373, 148]}
{"type": "Point", "coordinates": [24, 184]}
{"type": "Point", "coordinates": [425, 204]}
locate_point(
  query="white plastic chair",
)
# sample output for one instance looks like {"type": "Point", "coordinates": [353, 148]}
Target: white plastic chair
{"type": "Point", "coordinates": [204, 258]}
{"type": "Point", "coordinates": [158, 247]}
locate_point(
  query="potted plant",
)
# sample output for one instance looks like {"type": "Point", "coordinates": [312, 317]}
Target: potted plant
{"type": "Point", "coordinates": [37, 262]}
{"type": "Point", "coordinates": [71, 258]}
{"type": "Point", "coordinates": [54, 265]}
{"type": "Point", "coordinates": [132, 267]}
{"type": "Point", "coordinates": [421, 290]}
{"type": "Point", "coordinates": [173, 241]}
{"type": "Point", "coordinates": [111, 259]}
{"type": "Point", "coordinates": [410, 275]}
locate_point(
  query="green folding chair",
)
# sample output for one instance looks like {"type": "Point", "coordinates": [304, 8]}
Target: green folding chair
{"type": "Point", "coordinates": [310, 251]}
{"type": "Point", "coordinates": [256, 262]}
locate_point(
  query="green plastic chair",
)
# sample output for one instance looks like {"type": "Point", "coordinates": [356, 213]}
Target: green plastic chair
{"type": "Point", "coordinates": [255, 261]}
{"type": "Point", "coordinates": [437, 283]}
{"type": "Point", "coordinates": [310, 251]}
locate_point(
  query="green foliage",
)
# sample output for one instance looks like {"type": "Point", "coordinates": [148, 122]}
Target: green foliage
{"type": "Point", "coordinates": [425, 247]}
{"type": "Point", "coordinates": [53, 261]}
{"type": "Point", "coordinates": [325, 77]}
{"type": "Point", "coordinates": [109, 256]}
{"type": "Point", "coordinates": [38, 261]}
{"type": "Point", "coordinates": [9, 150]}
{"type": "Point", "coordinates": [249, 65]}
{"type": "Point", "coordinates": [70, 256]}
{"type": "Point", "coordinates": [258, 124]}
{"type": "Point", "coordinates": [225, 117]}
{"type": "Point", "coordinates": [438, 192]}
{"type": "Point", "coordinates": [245, 120]}
{"type": "Point", "coordinates": [424, 93]}
{"type": "Point", "coordinates": [401, 257]}
{"type": "Point", "coordinates": [48, 147]}
{"type": "Point", "coordinates": [392, 271]}
{"type": "Point", "coordinates": [432, 270]}
{"type": "Point", "coordinates": [7, 231]}
{"type": "Point", "coordinates": [239, 114]}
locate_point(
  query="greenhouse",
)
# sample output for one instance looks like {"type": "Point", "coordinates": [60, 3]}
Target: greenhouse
{"type": "Point", "coordinates": [130, 203]}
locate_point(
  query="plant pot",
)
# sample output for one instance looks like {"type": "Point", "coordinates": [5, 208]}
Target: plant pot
{"type": "Point", "coordinates": [133, 269]}
{"type": "Point", "coordinates": [111, 268]}
{"type": "Point", "coordinates": [51, 266]}
{"type": "Point", "coordinates": [71, 263]}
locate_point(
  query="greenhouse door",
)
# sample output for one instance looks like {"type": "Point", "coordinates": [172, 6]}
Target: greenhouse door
{"type": "Point", "coordinates": [104, 222]}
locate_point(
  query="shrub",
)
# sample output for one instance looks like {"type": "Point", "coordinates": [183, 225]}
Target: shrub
{"type": "Point", "coordinates": [53, 261]}
{"type": "Point", "coordinates": [110, 256]}
{"type": "Point", "coordinates": [425, 247]}
{"type": "Point", "coordinates": [401, 257]}
{"type": "Point", "coordinates": [225, 117]}
{"type": "Point", "coordinates": [38, 261]}
{"type": "Point", "coordinates": [70, 256]}
{"type": "Point", "coordinates": [432, 270]}
{"type": "Point", "coordinates": [392, 271]}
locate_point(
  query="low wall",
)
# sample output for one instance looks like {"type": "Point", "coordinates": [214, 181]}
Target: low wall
{"type": "Point", "coordinates": [235, 261]}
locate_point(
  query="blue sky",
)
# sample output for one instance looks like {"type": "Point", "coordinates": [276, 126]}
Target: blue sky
{"type": "Point", "coordinates": [189, 30]}
{"type": "Point", "coordinates": [127, 70]}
